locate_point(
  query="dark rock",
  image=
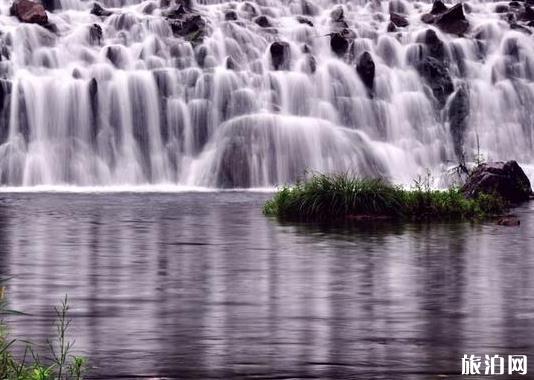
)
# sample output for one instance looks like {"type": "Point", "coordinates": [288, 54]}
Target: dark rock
{"type": "Point", "coordinates": [398, 20]}
{"type": "Point", "coordinates": [304, 20]}
{"type": "Point", "coordinates": [438, 7]}
{"type": "Point", "coordinates": [309, 8]}
{"type": "Point", "coordinates": [504, 179]}
{"type": "Point", "coordinates": [176, 12]}
{"type": "Point", "coordinates": [263, 21]}
{"type": "Point", "coordinates": [311, 64]}
{"type": "Point", "coordinates": [437, 77]}
{"type": "Point", "coordinates": [95, 34]}
{"type": "Point", "coordinates": [338, 43]}
{"type": "Point", "coordinates": [337, 14]}
{"type": "Point", "coordinates": [509, 221]}
{"type": "Point", "coordinates": [149, 8]}
{"type": "Point", "coordinates": [192, 26]}
{"type": "Point", "coordinates": [501, 8]}
{"type": "Point", "coordinates": [526, 15]}
{"type": "Point", "coordinates": [100, 11]}
{"type": "Point", "coordinates": [366, 70]}
{"type": "Point", "coordinates": [5, 101]}
{"type": "Point", "coordinates": [29, 12]}
{"type": "Point", "coordinates": [458, 113]}
{"type": "Point", "coordinates": [49, 5]}
{"type": "Point", "coordinates": [231, 64]}
{"type": "Point", "coordinates": [280, 55]}
{"type": "Point", "coordinates": [427, 18]}
{"type": "Point", "coordinates": [435, 46]}
{"type": "Point", "coordinates": [230, 16]}
{"type": "Point", "coordinates": [514, 4]}
{"type": "Point", "coordinates": [453, 20]}
{"type": "Point", "coordinates": [521, 28]}
{"type": "Point", "coordinates": [397, 6]}
{"type": "Point", "coordinates": [391, 27]}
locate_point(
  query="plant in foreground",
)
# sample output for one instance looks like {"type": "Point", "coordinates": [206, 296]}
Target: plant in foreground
{"type": "Point", "coordinates": [30, 366]}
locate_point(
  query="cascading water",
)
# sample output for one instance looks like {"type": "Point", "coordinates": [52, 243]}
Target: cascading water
{"type": "Point", "coordinates": [254, 94]}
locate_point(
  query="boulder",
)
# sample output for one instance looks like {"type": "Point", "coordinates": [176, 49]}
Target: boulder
{"type": "Point", "coordinates": [339, 44]}
{"type": "Point", "coordinates": [304, 20]}
{"type": "Point", "coordinates": [453, 20]}
{"type": "Point", "coordinates": [191, 26]}
{"type": "Point", "coordinates": [280, 55]}
{"type": "Point", "coordinates": [263, 21]}
{"type": "Point", "coordinates": [438, 7]}
{"type": "Point", "coordinates": [504, 179]}
{"type": "Point", "coordinates": [437, 77]}
{"type": "Point", "coordinates": [230, 15]}
{"type": "Point", "coordinates": [366, 70]}
{"type": "Point", "coordinates": [29, 12]}
{"type": "Point", "coordinates": [435, 45]}
{"type": "Point", "coordinates": [95, 34]}
{"type": "Point", "coordinates": [391, 27]}
{"type": "Point", "coordinates": [399, 20]}
{"type": "Point", "coordinates": [509, 221]}
{"type": "Point", "coordinates": [100, 11]}
{"type": "Point", "coordinates": [458, 113]}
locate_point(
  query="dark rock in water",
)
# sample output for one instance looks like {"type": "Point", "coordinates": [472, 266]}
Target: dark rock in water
{"type": "Point", "coordinates": [192, 26]}
{"type": "Point", "coordinates": [520, 28]}
{"type": "Point", "coordinates": [501, 8]}
{"type": "Point", "coordinates": [514, 4]}
{"type": "Point", "coordinates": [149, 8]}
{"type": "Point", "coordinates": [231, 64]}
{"type": "Point", "coordinates": [453, 20]}
{"type": "Point", "coordinates": [438, 7]}
{"type": "Point", "coordinates": [435, 46]}
{"type": "Point", "coordinates": [509, 221]}
{"type": "Point", "coordinates": [49, 5]}
{"type": "Point", "coordinates": [280, 55]}
{"type": "Point", "coordinates": [176, 12]}
{"type": "Point", "coordinates": [29, 12]}
{"type": "Point", "coordinates": [234, 166]}
{"type": "Point", "coordinates": [397, 6]}
{"type": "Point", "coordinates": [366, 70]}
{"type": "Point", "coordinates": [309, 8]}
{"type": "Point", "coordinates": [263, 21]}
{"type": "Point", "coordinates": [338, 43]}
{"type": "Point", "coordinates": [391, 27]}
{"type": "Point", "coordinates": [116, 55]}
{"type": "Point", "coordinates": [337, 14]}
{"type": "Point", "coordinates": [5, 100]}
{"type": "Point", "coordinates": [526, 15]}
{"type": "Point", "coordinates": [458, 113]}
{"type": "Point", "coordinates": [230, 16]}
{"type": "Point", "coordinates": [427, 18]}
{"type": "Point", "coordinates": [95, 34]}
{"type": "Point", "coordinates": [311, 63]}
{"type": "Point", "coordinates": [398, 20]}
{"type": "Point", "coordinates": [304, 20]}
{"type": "Point", "coordinates": [504, 179]}
{"type": "Point", "coordinates": [437, 77]}
{"type": "Point", "coordinates": [200, 55]}
{"type": "Point", "coordinates": [100, 11]}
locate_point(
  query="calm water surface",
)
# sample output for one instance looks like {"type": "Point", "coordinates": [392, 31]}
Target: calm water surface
{"type": "Point", "coordinates": [202, 285]}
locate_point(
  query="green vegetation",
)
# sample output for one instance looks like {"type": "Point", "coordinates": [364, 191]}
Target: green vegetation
{"type": "Point", "coordinates": [335, 197]}
{"type": "Point", "coordinates": [29, 366]}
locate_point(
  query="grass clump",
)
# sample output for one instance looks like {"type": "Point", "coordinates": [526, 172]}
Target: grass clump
{"type": "Point", "coordinates": [334, 197]}
{"type": "Point", "coordinates": [29, 366]}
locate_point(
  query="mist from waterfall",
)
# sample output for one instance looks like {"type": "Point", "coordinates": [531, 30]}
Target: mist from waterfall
{"type": "Point", "coordinates": [124, 100]}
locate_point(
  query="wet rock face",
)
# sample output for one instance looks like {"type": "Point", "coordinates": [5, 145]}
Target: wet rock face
{"type": "Point", "coordinates": [453, 20]}
{"type": "Point", "coordinates": [366, 70]}
{"type": "Point", "coordinates": [505, 179]}
{"type": "Point", "coordinates": [190, 26]}
{"type": "Point", "coordinates": [280, 55]}
{"type": "Point", "coordinates": [398, 20]}
{"type": "Point", "coordinates": [100, 11]}
{"type": "Point", "coordinates": [450, 20]}
{"type": "Point", "coordinates": [29, 12]}
{"type": "Point", "coordinates": [437, 77]}
{"type": "Point", "coordinates": [438, 7]}
{"type": "Point", "coordinates": [339, 44]}
{"type": "Point", "coordinates": [458, 114]}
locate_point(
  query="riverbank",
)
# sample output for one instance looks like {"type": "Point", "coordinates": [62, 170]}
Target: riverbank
{"type": "Point", "coordinates": [342, 197]}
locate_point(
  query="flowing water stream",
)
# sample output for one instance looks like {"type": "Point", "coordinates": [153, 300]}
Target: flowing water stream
{"type": "Point", "coordinates": [141, 96]}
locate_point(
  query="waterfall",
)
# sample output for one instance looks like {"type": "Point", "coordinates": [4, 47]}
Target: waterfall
{"type": "Point", "coordinates": [228, 94]}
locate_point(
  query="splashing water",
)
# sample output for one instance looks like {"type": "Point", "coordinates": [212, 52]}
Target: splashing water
{"type": "Point", "coordinates": [255, 94]}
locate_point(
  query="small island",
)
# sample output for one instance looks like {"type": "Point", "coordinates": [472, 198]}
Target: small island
{"type": "Point", "coordinates": [490, 190]}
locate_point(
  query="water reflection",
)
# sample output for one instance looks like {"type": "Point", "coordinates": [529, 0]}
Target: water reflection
{"type": "Point", "coordinates": [202, 285]}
